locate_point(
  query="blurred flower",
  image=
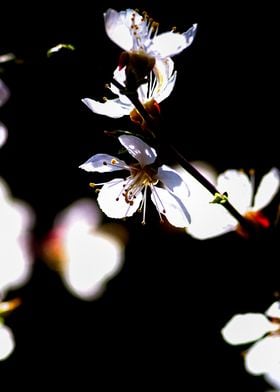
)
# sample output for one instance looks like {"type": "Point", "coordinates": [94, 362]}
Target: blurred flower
{"type": "Point", "coordinates": [120, 198]}
{"type": "Point", "coordinates": [16, 219]}
{"type": "Point", "coordinates": [7, 342]}
{"type": "Point", "coordinates": [85, 253]}
{"type": "Point", "coordinates": [150, 94]}
{"type": "Point", "coordinates": [211, 220]}
{"type": "Point", "coordinates": [263, 357]}
{"type": "Point", "coordinates": [134, 32]}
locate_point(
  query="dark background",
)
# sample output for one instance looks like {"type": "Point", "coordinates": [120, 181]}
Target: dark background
{"type": "Point", "coordinates": [158, 324]}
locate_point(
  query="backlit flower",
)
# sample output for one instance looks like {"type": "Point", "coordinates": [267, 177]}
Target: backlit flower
{"type": "Point", "coordinates": [160, 85]}
{"type": "Point", "coordinates": [145, 65]}
{"type": "Point", "coordinates": [211, 220]}
{"type": "Point", "coordinates": [263, 356]}
{"type": "Point", "coordinates": [121, 198]}
{"type": "Point", "coordinates": [16, 220]}
{"type": "Point", "coordinates": [134, 32]}
{"type": "Point", "coordinates": [86, 253]}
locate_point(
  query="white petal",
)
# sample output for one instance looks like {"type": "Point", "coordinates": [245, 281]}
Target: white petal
{"type": "Point", "coordinates": [238, 187]}
{"type": "Point", "coordinates": [140, 151]}
{"type": "Point", "coordinates": [92, 259]}
{"type": "Point", "coordinates": [245, 328]}
{"type": "Point", "coordinates": [103, 163]}
{"type": "Point", "coordinates": [274, 310]}
{"type": "Point", "coordinates": [208, 220]}
{"type": "Point", "coordinates": [170, 43]}
{"type": "Point", "coordinates": [170, 206]}
{"type": "Point", "coordinates": [3, 134]}
{"type": "Point", "coordinates": [267, 189]}
{"type": "Point", "coordinates": [116, 30]}
{"type": "Point", "coordinates": [173, 182]}
{"type": "Point", "coordinates": [112, 201]}
{"type": "Point", "coordinates": [273, 377]}
{"type": "Point", "coordinates": [263, 356]}
{"type": "Point", "coordinates": [114, 108]}
{"type": "Point", "coordinates": [7, 342]}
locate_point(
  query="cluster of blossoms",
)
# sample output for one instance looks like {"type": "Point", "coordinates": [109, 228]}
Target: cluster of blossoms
{"type": "Point", "coordinates": [145, 66]}
{"type": "Point", "coordinates": [146, 70]}
{"type": "Point", "coordinates": [263, 356]}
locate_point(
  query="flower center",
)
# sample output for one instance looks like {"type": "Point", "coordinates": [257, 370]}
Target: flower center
{"type": "Point", "coordinates": [141, 177]}
{"type": "Point", "coordinates": [142, 31]}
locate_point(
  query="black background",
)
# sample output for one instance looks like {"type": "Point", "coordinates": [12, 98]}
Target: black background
{"type": "Point", "coordinates": [158, 324]}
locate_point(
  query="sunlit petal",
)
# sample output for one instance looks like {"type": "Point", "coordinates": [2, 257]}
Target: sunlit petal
{"type": "Point", "coordinates": [238, 187]}
{"type": "Point", "coordinates": [116, 30]}
{"type": "Point", "coordinates": [3, 134]}
{"type": "Point", "coordinates": [170, 206]}
{"type": "Point", "coordinates": [113, 203]}
{"type": "Point", "coordinates": [263, 356]}
{"type": "Point", "coordinates": [112, 107]}
{"type": "Point", "coordinates": [103, 163]}
{"type": "Point", "coordinates": [267, 189]}
{"type": "Point", "coordinates": [7, 342]}
{"type": "Point", "coordinates": [169, 44]}
{"type": "Point", "coordinates": [140, 151]}
{"type": "Point", "coordinates": [245, 328]}
{"type": "Point", "coordinates": [173, 182]}
{"type": "Point", "coordinates": [273, 377]}
{"type": "Point", "coordinates": [274, 310]}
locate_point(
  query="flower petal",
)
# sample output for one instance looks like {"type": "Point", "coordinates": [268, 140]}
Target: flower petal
{"type": "Point", "coordinates": [170, 43]}
{"type": "Point", "coordinates": [103, 163]}
{"type": "Point", "coordinates": [245, 328]}
{"type": "Point", "coordinates": [170, 206]}
{"type": "Point", "coordinates": [114, 108]}
{"type": "Point", "coordinates": [3, 134]}
{"type": "Point", "coordinates": [267, 189]}
{"type": "Point", "coordinates": [117, 30]}
{"type": "Point", "coordinates": [238, 187]}
{"type": "Point", "coordinates": [173, 182]}
{"type": "Point", "coordinates": [113, 203]}
{"type": "Point", "coordinates": [273, 377]}
{"type": "Point", "coordinates": [274, 310]}
{"type": "Point", "coordinates": [140, 151]}
{"type": "Point", "coordinates": [263, 356]}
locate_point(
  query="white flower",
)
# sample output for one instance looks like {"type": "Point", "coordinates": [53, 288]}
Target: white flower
{"type": "Point", "coordinates": [134, 32]}
{"type": "Point", "coordinates": [210, 220]}
{"type": "Point", "coordinates": [16, 219]}
{"type": "Point", "coordinates": [84, 253]}
{"type": "Point", "coordinates": [137, 34]}
{"type": "Point", "coordinates": [159, 87]}
{"type": "Point", "coordinates": [263, 357]}
{"type": "Point", "coordinates": [121, 198]}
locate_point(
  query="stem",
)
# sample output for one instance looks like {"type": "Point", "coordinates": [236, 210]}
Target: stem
{"type": "Point", "coordinates": [133, 96]}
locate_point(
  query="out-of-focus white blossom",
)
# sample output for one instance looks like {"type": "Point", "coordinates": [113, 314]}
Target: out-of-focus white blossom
{"type": "Point", "coordinates": [16, 220]}
{"type": "Point", "coordinates": [86, 253]}
{"type": "Point", "coordinates": [7, 342]}
{"type": "Point", "coordinates": [210, 219]}
{"type": "Point", "coordinates": [263, 356]}
{"type": "Point", "coordinates": [120, 198]}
